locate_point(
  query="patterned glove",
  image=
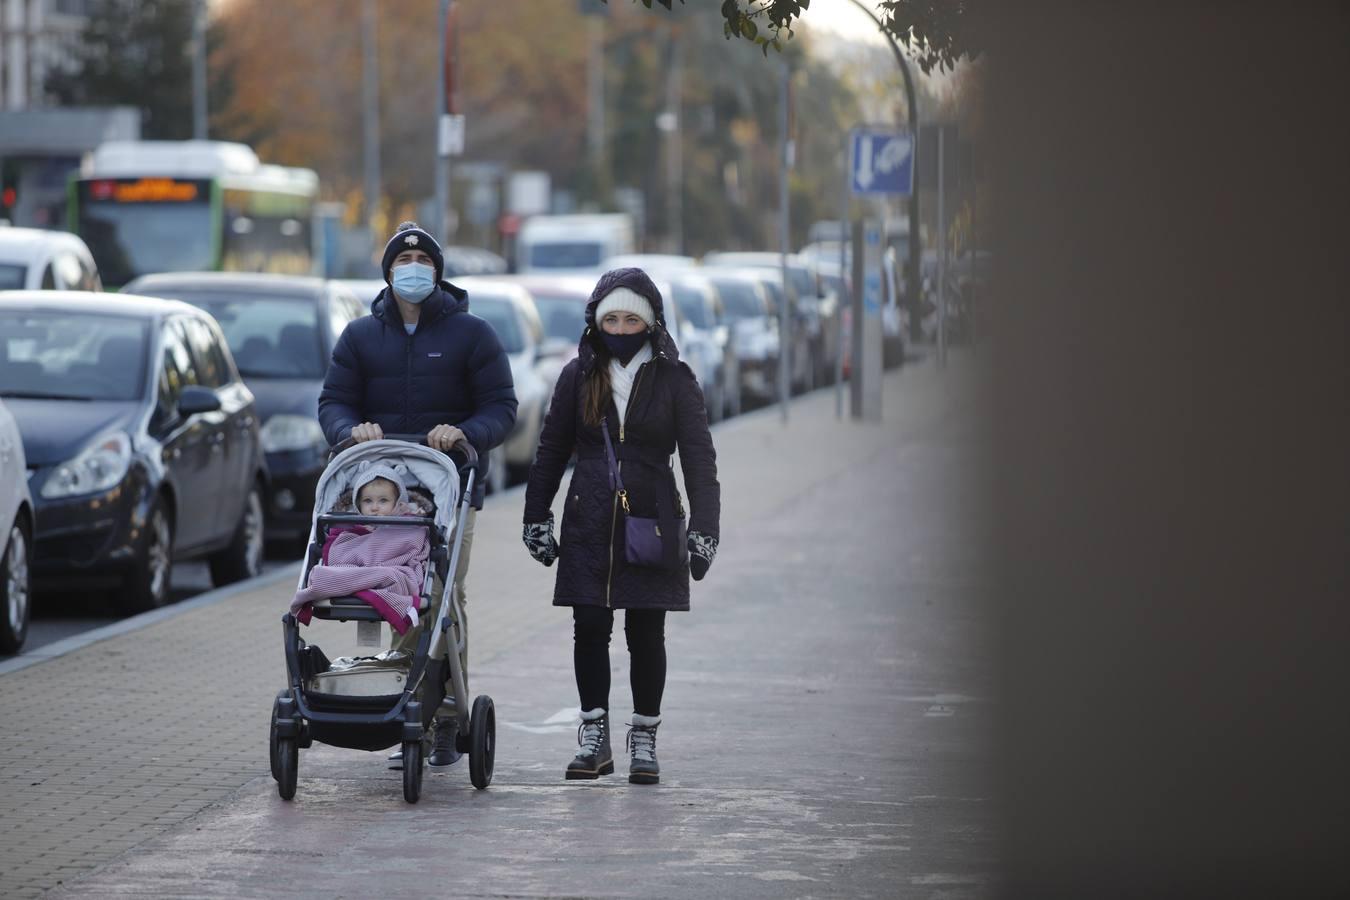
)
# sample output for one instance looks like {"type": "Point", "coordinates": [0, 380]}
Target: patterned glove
{"type": "Point", "coordinates": [538, 538]}
{"type": "Point", "coordinates": [702, 549]}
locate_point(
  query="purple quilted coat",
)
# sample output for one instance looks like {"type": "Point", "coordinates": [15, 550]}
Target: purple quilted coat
{"type": "Point", "coordinates": [665, 412]}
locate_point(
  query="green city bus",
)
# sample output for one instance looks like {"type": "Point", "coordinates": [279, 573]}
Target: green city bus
{"type": "Point", "coordinates": [177, 206]}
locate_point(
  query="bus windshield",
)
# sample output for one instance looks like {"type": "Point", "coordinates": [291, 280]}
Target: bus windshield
{"type": "Point", "coordinates": [130, 239]}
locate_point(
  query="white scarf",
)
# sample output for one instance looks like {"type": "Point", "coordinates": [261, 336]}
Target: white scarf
{"type": "Point", "coordinates": [621, 377]}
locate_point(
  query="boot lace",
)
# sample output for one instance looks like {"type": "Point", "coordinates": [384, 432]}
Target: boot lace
{"type": "Point", "coordinates": [591, 736]}
{"type": "Point", "coordinates": [642, 743]}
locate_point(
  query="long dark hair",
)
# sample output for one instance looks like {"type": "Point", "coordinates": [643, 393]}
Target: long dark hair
{"type": "Point", "coordinates": [596, 393]}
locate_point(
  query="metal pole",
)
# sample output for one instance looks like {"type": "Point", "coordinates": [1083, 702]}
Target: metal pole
{"type": "Point", "coordinates": [674, 159]}
{"type": "Point", "coordinates": [370, 83]}
{"type": "Point", "coordinates": [843, 281]}
{"type": "Point", "coordinates": [942, 250]}
{"type": "Point", "coordinates": [199, 130]}
{"type": "Point", "coordinates": [595, 91]}
{"type": "Point", "coordinates": [784, 317]}
{"type": "Point", "coordinates": [442, 151]}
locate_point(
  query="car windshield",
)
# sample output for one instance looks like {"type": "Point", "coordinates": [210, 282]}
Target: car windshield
{"type": "Point", "coordinates": [564, 316]}
{"type": "Point", "coordinates": [270, 337]}
{"type": "Point", "coordinates": [68, 356]}
{"type": "Point", "coordinates": [499, 314]}
{"type": "Point", "coordinates": [11, 277]}
{"type": "Point", "coordinates": [740, 300]}
{"type": "Point", "coordinates": [565, 255]}
{"type": "Point", "coordinates": [692, 306]}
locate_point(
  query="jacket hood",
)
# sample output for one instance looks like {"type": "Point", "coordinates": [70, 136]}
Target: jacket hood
{"type": "Point", "coordinates": [592, 347]}
{"type": "Point", "coordinates": [444, 301]}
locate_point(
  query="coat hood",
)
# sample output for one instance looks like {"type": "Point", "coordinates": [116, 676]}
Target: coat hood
{"type": "Point", "coordinates": [638, 281]}
{"type": "Point", "coordinates": [445, 300]}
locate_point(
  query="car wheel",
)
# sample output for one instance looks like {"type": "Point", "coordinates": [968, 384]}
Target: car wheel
{"type": "Point", "coordinates": [16, 589]}
{"type": "Point", "coordinates": [149, 583]}
{"type": "Point", "coordinates": [244, 555]}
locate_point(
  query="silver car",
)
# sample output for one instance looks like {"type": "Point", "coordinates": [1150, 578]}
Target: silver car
{"type": "Point", "coordinates": [510, 311]}
{"type": "Point", "coordinates": [16, 538]}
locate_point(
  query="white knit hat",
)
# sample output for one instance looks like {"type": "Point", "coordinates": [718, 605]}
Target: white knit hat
{"type": "Point", "coordinates": [623, 299]}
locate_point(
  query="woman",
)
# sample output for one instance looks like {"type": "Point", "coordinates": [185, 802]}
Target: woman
{"type": "Point", "coordinates": [628, 379]}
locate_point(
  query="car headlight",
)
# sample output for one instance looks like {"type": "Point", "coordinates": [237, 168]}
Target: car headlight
{"type": "Point", "coordinates": [99, 467]}
{"type": "Point", "coordinates": [287, 432]}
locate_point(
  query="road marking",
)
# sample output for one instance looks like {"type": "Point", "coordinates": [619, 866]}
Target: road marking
{"type": "Point", "coordinates": [563, 720]}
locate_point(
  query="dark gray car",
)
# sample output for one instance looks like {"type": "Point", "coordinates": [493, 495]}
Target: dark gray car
{"type": "Point", "coordinates": [142, 444]}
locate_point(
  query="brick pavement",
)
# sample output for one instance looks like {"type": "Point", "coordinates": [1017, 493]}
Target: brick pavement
{"type": "Point", "coordinates": [120, 742]}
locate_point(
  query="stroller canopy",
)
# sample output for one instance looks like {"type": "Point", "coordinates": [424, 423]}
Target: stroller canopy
{"type": "Point", "coordinates": [427, 468]}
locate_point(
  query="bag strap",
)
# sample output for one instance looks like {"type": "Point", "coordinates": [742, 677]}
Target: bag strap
{"type": "Point", "coordinates": [615, 482]}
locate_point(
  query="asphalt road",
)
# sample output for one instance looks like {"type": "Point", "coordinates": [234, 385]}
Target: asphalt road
{"type": "Point", "coordinates": [57, 616]}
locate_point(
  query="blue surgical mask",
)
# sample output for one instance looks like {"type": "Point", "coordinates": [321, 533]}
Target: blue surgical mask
{"type": "Point", "coordinates": [624, 347]}
{"type": "Point", "coordinates": [413, 281]}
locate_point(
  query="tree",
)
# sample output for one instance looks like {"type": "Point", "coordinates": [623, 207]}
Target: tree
{"type": "Point", "coordinates": [135, 53]}
{"type": "Point", "coordinates": [939, 32]}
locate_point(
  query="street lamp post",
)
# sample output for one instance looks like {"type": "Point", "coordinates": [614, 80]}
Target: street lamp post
{"type": "Point", "coordinates": [912, 275]}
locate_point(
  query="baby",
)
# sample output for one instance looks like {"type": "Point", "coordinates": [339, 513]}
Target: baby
{"type": "Point", "coordinates": [380, 492]}
{"type": "Point", "coordinates": [385, 566]}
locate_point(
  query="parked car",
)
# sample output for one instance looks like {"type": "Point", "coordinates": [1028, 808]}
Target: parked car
{"type": "Point", "coordinates": [37, 259]}
{"type": "Point", "coordinates": [754, 329]}
{"type": "Point", "coordinates": [364, 289]}
{"type": "Point", "coordinates": [511, 312]}
{"type": "Point", "coordinates": [657, 265]}
{"type": "Point", "coordinates": [811, 355]}
{"type": "Point", "coordinates": [561, 303]}
{"type": "Point", "coordinates": [281, 330]}
{"type": "Point", "coordinates": [463, 261]}
{"type": "Point", "coordinates": [705, 340]}
{"type": "Point", "coordinates": [141, 440]}
{"type": "Point", "coordinates": [16, 539]}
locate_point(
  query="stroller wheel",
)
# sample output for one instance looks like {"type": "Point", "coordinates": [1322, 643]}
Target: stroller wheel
{"type": "Point", "coordinates": [272, 734]}
{"type": "Point", "coordinates": [288, 761]}
{"type": "Point", "coordinates": [412, 770]}
{"type": "Point", "coordinates": [482, 741]}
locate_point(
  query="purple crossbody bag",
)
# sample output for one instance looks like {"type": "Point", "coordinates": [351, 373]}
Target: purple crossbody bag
{"type": "Point", "coordinates": [659, 543]}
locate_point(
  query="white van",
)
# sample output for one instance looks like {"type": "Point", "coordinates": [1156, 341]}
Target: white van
{"type": "Point", "coordinates": [572, 244]}
{"type": "Point", "coordinates": [37, 259]}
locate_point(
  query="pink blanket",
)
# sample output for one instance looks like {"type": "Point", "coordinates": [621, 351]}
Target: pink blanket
{"type": "Point", "coordinates": [384, 566]}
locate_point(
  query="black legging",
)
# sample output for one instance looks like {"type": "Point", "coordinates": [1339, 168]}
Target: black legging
{"type": "Point", "coordinates": [646, 633]}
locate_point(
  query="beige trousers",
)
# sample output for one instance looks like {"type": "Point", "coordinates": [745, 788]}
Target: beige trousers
{"type": "Point", "coordinates": [407, 641]}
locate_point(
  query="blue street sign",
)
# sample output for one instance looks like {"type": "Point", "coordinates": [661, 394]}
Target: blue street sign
{"type": "Point", "coordinates": [882, 162]}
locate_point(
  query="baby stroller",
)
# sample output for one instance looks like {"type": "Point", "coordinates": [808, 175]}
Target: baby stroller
{"type": "Point", "coordinates": [374, 703]}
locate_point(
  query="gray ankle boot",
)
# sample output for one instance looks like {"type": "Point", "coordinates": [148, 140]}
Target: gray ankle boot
{"type": "Point", "coordinates": [644, 769]}
{"type": "Point", "coordinates": [594, 758]}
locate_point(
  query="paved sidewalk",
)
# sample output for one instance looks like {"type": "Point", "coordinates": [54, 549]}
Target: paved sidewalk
{"type": "Point", "coordinates": [825, 714]}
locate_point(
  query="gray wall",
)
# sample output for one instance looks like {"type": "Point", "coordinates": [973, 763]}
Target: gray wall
{"type": "Point", "coordinates": [1171, 455]}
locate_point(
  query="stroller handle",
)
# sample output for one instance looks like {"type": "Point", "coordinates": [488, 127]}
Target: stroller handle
{"type": "Point", "coordinates": [462, 446]}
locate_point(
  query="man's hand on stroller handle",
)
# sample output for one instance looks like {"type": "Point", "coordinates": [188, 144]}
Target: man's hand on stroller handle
{"type": "Point", "coordinates": [443, 437]}
{"type": "Point", "coordinates": [367, 431]}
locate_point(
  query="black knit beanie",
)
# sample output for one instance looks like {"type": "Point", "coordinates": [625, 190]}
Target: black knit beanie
{"type": "Point", "coordinates": [411, 236]}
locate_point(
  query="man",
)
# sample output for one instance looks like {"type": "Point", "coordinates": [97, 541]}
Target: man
{"type": "Point", "coordinates": [420, 364]}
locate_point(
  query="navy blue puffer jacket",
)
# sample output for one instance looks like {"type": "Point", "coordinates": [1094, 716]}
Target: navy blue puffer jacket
{"type": "Point", "coordinates": [451, 370]}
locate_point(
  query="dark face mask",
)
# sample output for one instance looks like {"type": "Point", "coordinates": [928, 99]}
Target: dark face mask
{"type": "Point", "coordinates": [624, 347]}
